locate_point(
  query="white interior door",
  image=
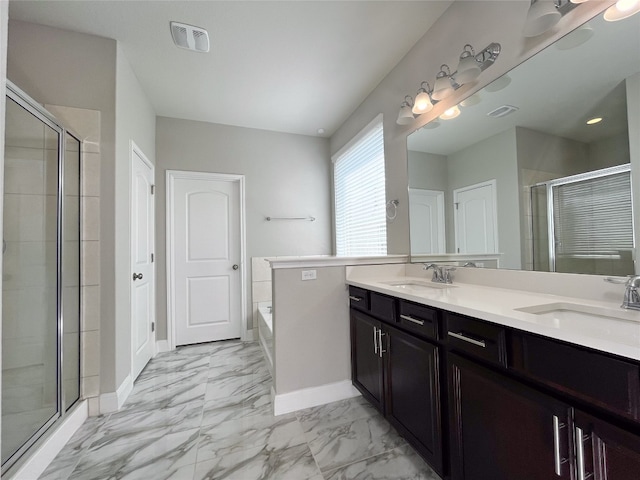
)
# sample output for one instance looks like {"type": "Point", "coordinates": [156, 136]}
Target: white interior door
{"type": "Point", "coordinates": [142, 267]}
{"type": "Point", "coordinates": [205, 258]}
{"type": "Point", "coordinates": [426, 221]}
{"type": "Point", "coordinates": [476, 225]}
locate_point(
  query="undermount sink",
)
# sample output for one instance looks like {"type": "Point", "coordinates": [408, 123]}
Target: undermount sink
{"type": "Point", "coordinates": [417, 285]}
{"type": "Point", "coordinates": [621, 326]}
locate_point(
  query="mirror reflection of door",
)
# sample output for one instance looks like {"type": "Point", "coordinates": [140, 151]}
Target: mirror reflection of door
{"type": "Point", "coordinates": [426, 220]}
{"type": "Point", "coordinates": [475, 218]}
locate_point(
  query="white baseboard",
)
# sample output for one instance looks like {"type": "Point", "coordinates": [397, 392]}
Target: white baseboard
{"type": "Point", "coordinates": [162, 346]}
{"type": "Point", "coordinates": [40, 459]}
{"type": "Point", "coordinates": [112, 401]}
{"type": "Point", "coordinates": [249, 336]}
{"type": "Point", "coordinates": [312, 397]}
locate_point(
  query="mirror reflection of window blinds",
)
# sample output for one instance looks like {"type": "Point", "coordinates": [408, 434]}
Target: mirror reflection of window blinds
{"type": "Point", "coordinates": [594, 217]}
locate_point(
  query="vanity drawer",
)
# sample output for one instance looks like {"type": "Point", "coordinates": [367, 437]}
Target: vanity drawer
{"type": "Point", "coordinates": [383, 307]}
{"type": "Point", "coordinates": [474, 337]}
{"type": "Point", "coordinates": [359, 298]}
{"type": "Point", "coordinates": [611, 383]}
{"type": "Point", "coordinates": [419, 319]}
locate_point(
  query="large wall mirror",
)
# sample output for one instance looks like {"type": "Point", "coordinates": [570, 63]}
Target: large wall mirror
{"type": "Point", "coordinates": [526, 177]}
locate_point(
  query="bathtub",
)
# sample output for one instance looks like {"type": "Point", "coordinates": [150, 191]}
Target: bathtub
{"type": "Point", "coordinates": [265, 332]}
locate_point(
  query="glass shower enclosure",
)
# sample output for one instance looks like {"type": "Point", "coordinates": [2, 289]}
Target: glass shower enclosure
{"type": "Point", "coordinates": [41, 274]}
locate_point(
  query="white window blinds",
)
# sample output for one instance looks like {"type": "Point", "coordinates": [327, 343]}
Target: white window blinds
{"type": "Point", "coordinates": [594, 217]}
{"type": "Point", "coordinates": [359, 189]}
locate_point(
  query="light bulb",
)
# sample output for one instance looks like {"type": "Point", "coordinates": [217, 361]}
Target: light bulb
{"type": "Point", "coordinates": [422, 104]}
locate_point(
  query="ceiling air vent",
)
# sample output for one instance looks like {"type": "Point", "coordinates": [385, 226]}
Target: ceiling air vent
{"type": "Point", "coordinates": [502, 111]}
{"type": "Point", "coordinates": [190, 37]}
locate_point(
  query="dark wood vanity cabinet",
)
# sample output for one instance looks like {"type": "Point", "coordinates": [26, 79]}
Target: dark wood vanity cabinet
{"type": "Point", "coordinates": [501, 430]}
{"type": "Point", "coordinates": [399, 373]}
{"type": "Point", "coordinates": [482, 401]}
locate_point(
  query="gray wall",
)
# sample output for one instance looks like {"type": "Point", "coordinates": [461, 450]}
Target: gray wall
{"type": "Point", "coordinates": [285, 175]}
{"type": "Point", "coordinates": [427, 171]}
{"type": "Point", "coordinates": [633, 118]}
{"type": "Point", "coordinates": [470, 21]}
{"type": "Point", "coordinates": [492, 159]}
{"type": "Point", "coordinates": [135, 121]}
{"type": "Point", "coordinates": [60, 67]}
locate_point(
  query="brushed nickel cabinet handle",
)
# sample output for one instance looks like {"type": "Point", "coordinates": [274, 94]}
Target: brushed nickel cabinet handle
{"type": "Point", "coordinates": [460, 336]}
{"type": "Point", "coordinates": [580, 438]}
{"type": "Point", "coordinates": [409, 318]}
{"type": "Point", "coordinates": [380, 334]}
{"type": "Point", "coordinates": [375, 340]}
{"type": "Point", "coordinates": [355, 299]}
{"type": "Point", "coordinates": [557, 457]}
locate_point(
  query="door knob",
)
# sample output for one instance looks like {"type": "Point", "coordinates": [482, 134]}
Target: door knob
{"type": "Point", "coordinates": [235, 267]}
{"type": "Point", "coordinates": [137, 276]}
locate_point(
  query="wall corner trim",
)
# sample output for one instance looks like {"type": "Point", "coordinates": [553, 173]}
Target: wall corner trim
{"type": "Point", "coordinates": [112, 401]}
{"type": "Point", "coordinates": [162, 346]}
{"type": "Point", "coordinates": [312, 397]}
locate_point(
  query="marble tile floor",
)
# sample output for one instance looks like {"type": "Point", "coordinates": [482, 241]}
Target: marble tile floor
{"type": "Point", "coordinates": [204, 412]}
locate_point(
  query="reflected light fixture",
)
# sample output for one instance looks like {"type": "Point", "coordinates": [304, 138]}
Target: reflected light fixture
{"type": "Point", "coordinates": [443, 87]}
{"type": "Point", "coordinates": [576, 38]}
{"type": "Point", "coordinates": [468, 66]}
{"type": "Point", "coordinates": [498, 84]}
{"type": "Point", "coordinates": [423, 101]}
{"type": "Point", "coordinates": [472, 100]}
{"type": "Point", "coordinates": [621, 10]}
{"type": "Point", "coordinates": [542, 15]}
{"type": "Point", "coordinates": [405, 116]}
{"type": "Point", "coordinates": [594, 120]}
{"type": "Point", "coordinates": [451, 113]}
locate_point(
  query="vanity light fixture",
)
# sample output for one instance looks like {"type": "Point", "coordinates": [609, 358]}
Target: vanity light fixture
{"type": "Point", "coordinates": [451, 113]}
{"type": "Point", "coordinates": [468, 66]}
{"type": "Point", "coordinates": [544, 14]}
{"type": "Point", "coordinates": [423, 101]}
{"type": "Point", "coordinates": [621, 10]}
{"type": "Point", "coordinates": [594, 120]}
{"type": "Point", "coordinates": [444, 84]}
{"type": "Point", "coordinates": [405, 116]}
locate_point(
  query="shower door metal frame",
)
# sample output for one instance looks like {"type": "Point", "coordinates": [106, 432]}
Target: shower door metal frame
{"type": "Point", "coordinates": [31, 106]}
{"type": "Point", "coordinates": [551, 184]}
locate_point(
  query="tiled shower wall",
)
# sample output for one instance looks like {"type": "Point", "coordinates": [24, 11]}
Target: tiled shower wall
{"type": "Point", "coordinates": [260, 288]}
{"type": "Point", "coordinates": [86, 125]}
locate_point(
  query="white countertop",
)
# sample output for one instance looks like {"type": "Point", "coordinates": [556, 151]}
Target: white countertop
{"type": "Point", "coordinates": [619, 336]}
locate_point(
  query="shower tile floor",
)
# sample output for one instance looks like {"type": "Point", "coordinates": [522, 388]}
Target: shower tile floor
{"type": "Point", "coordinates": [204, 412]}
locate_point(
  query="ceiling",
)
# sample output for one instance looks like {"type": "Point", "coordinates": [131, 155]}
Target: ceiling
{"type": "Point", "coordinates": [287, 66]}
{"type": "Point", "coordinates": [556, 91]}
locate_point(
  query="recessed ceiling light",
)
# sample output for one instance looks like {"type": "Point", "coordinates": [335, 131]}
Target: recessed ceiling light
{"type": "Point", "coordinates": [594, 120]}
{"type": "Point", "coordinates": [321, 131]}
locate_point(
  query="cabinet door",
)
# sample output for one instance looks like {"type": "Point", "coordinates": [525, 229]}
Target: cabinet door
{"type": "Point", "coordinates": [502, 430]}
{"type": "Point", "coordinates": [605, 452]}
{"type": "Point", "coordinates": [413, 393]}
{"type": "Point", "coordinates": [366, 360]}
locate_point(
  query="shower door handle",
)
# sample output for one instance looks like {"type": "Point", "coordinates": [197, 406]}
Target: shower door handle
{"type": "Point", "coordinates": [137, 276]}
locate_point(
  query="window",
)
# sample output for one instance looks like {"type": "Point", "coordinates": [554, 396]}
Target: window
{"type": "Point", "coordinates": [359, 194]}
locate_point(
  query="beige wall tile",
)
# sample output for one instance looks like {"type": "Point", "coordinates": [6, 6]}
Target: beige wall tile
{"type": "Point", "coordinates": [261, 292]}
{"type": "Point", "coordinates": [90, 312]}
{"type": "Point", "coordinates": [91, 263]}
{"type": "Point", "coordinates": [90, 218]}
{"type": "Point", "coordinates": [91, 175]}
{"type": "Point", "coordinates": [90, 363]}
{"type": "Point", "coordinates": [260, 270]}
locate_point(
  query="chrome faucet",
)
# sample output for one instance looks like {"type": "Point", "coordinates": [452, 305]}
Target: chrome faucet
{"type": "Point", "coordinates": [440, 274]}
{"type": "Point", "coordinates": [631, 299]}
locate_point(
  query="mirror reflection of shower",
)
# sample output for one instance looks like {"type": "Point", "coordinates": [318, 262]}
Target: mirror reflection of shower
{"type": "Point", "coordinates": [41, 275]}
{"type": "Point", "coordinates": [584, 223]}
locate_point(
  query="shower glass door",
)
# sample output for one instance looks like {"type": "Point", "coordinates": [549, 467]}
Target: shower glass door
{"type": "Point", "coordinates": [41, 275]}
